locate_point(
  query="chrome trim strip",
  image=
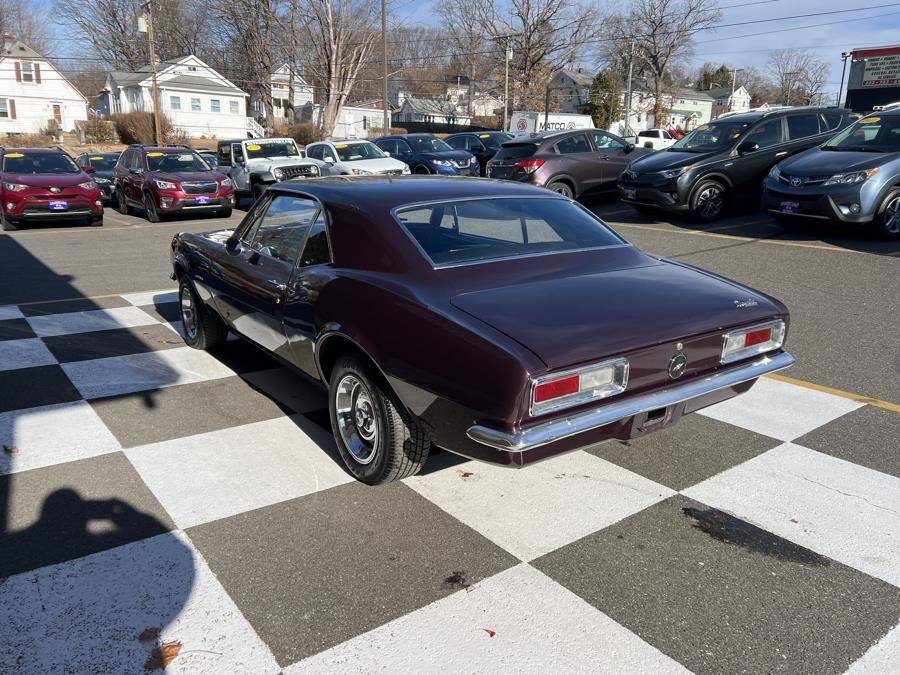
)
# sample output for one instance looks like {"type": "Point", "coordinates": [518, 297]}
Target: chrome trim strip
{"type": "Point", "coordinates": [555, 430]}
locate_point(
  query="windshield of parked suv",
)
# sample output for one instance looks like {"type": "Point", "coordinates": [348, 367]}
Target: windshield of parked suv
{"type": "Point", "coordinates": [101, 162]}
{"type": "Point", "coordinates": [44, 162]}
{"type": "Point", "coordinates": [711, 137]}
{"type": "Point", "coordinates": [427, 144]}
{"type": "Point", "coordinates": [175, 162]}
{"type": "Point", "coordinates": [491, 228]}
{"type": "Point", "coordinates": [870, 134]}
{"type": "Point", "coordinates": [286, 148]}
{"type": "Point", "coordinates": [351, 152]}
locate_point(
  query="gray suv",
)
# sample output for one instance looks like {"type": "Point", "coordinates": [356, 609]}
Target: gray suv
{"type": "Point", "coordinates": [853, 178]}
{"type": "Point", "coordinates": [573, 163]}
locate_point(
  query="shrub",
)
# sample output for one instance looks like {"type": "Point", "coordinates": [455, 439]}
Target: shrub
{"type": "Point", "coordinates": [488, 122]}
{"type": "Point", "coordinates": [304, 133]}
{"type": "Point", "coordinates": [98, 131]}
{"type": "Point", "coordinates": [40, 140]}
{"type": "Point", "coordinates": [137, 127]}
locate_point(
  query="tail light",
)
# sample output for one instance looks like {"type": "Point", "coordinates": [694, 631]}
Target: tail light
{"type": "Point", "coordinates": [740, 344]}
{"type": "Point", "coordinates": [582, 385]}
{"type": "Point", "coordinates": [529, 165]}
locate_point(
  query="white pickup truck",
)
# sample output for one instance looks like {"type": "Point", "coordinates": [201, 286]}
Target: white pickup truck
{"type": "Point", "coordinates": [658, 139]}
{"type": "Point", "coordinates": [254, 164]}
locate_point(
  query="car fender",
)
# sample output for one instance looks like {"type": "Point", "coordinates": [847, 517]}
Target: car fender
{"type": "Point", "coordinates": [263, 176]}
{"type": "Point", "coordinates": [712, 175]}
{"type": "Point", "coordinates": [566, 177]}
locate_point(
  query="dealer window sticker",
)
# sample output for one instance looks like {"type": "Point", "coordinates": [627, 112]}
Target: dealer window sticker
{"type": "Point", "coordinates": [155, 154]}
{"type": "Point", "coordinates": [870, 120]}
{"type": "Point", "coordinates": [254, 147]}
{"type": "Point", "coordinates": [15, 155]}
{"type": "Point", "coordinates": [95, 158]}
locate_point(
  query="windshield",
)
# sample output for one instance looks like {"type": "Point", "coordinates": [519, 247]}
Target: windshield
{"type": "Point", "coordinates": [870, 134]}
{"type": "Point", "coordinates": [351, 152]}
{"type": "Point", "coordinates": [44, 162]}
{"type": "Point", "coordinates": [212, 160]}
{"type": "Point", "coordinates": [712, 137]}
{"type": "Point", "coordinates": [490, 228]}
{"type": "Point", "coordinates": [172, 162]}
{"type": "Point", "coordinates": [427, 144]}
{"type": "Point", "coordinates": [494, 140]}
{"type": "Point", "coordinates": [285, 148]}
{"type": "Point", "coordinates": [102, 162]}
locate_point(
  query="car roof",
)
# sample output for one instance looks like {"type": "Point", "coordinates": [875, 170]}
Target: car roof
{"type": "Point", "coordinates": [166, 149]}
{"type": "Point", "coordinates": [36, 151]}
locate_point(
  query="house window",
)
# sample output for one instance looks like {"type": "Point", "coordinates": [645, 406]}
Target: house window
{"type": "Point", "coordinates": [4, 108]}
{"type": "Point", "coordinates": [215, 105]}
{"type": "Point", "coordinates": [195, 104]}
{"type": "Point", "coordinates": [27, 71]}
{"type": "Point", "coordinates": [175, 102]}
{"type": "Point", "coordinates": [233, 107]}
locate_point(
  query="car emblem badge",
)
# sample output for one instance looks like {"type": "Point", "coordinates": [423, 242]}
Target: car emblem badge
{"type": "Point", "coordinates": [677, 365]}
{"type": "Point", "coordinates": [796, 182]}
{"type": "Point", "coordinates": [55, 189]}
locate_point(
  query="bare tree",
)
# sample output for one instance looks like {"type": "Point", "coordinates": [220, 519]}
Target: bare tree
{"type": "Point", "coordinates": [798, 75]}
{"type": "Point", "coordinates": [22, 20]}
{"type": "Point", "coordinates": [466, 31]}
{"type": "Point", "coordinates": [339, 35]}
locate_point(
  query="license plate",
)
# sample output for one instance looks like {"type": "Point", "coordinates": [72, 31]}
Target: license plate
{"type": "Point", "coordinates": [788, 207]}
{"type": "Point", "coordinates": [629, 193]}
{"type": "Point", "coordinates": [59, 205]}
{"type": "Point", "coordinates": [201, 200]}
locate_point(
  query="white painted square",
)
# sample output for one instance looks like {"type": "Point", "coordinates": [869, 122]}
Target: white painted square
{"type": "Point", "coordinates": [833, 507]}
{"type": "Point", "coordinates": [140, 372]}
{"type": "Point", "coordinates": [218, 474]}
{"type": "Point", "coordinates": [780, 409]}
{"type": "Point", "coordinates": [289, 388]}
{"type": "Point", "coordinates": [539, 627]}
{"type": "Point", "coordinates": [151, 298]}
{"type": "Point", "coordinates": [89, 321]}
{"type": "Point", "coordinates": [535, 510]}
{"type": "Point", "coordinates": [53, 434]}
{"type": "Point", "coordinates": [10, 312]}
{"type": "Point", "coordinates": [25, 353]}
{"type": "Point", "coordinates": [85, 616]}
{"type": "Point", "coordinates": [883, 657]}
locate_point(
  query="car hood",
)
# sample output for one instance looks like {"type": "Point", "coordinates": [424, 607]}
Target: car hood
{"type": "Point", "coordinates": [108, 175]}
{"type": "Point", "coordinates": [458, 155]}
{"type": "Point", "coordinates": [281, 161]}
{"type": "Point", "coordinates": [46, 179]}
{"type": "Point", "coordinates": [818, 162]}
{"type": "Point", "coordinates": [568, 320]}
{"type": "Point", "coordinates": [189, 176]}
{"type": "Point", "coordinates": [666, 159]}
{"type": "Point", "coordinates": [377, 164]}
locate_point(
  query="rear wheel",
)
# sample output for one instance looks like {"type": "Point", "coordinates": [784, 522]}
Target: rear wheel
{"type": "Point", "coordinates": [150, 208]}
{"type": "Point", "coordinates": [421, 169]}
{"type": "Point", "coordinates": [203, 328]}
{"type": "Point", "coordinates": [378, 439]}
{"type": "Point", "coordinates": [708, 201]}
{"type": "Point", "coordinates": [888, 219]}
{"type": "Point", "coordinates": [561, 187]}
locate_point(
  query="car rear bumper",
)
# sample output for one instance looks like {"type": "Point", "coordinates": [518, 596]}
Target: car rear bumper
{"type": "Point", "coordinates": [624, 419]}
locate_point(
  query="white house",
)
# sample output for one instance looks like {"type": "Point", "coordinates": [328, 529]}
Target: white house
{"type": "Point", "coordinates": [33, 94]}
{"type": "Point", "coordinates": [430, 111]}
{"type": "Point", "coordinates": [281, 79]}
{"type": "Point", "coordinates": [724, 100]}
{"type": "Point", "coordinates": [690, 108]}
{"type": "Point", "coordinates": [197, 100]}
{"type": "Point", "coordinates": [570, 89]}
{"type": "Point", "coordinates": [352, 122]}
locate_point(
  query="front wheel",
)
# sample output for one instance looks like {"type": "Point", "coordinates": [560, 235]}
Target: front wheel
{"type": "Point", "coordinates": [888, 219]}
{"type": "Point", "coordinates": [121, 203]}
{"type": "Point", "coordinates": [7, 226]}
{"type": "Point", "coordinates": [379, 441]}
{"type": "Point", "coordinates": [150, 208]}
{"type": "Point", "coordinates": [224, 213]}
{"type": "Point", "coordinates": [421, 170]}
{"type": "Point", "coordinates": [203, 328]}
{"type": "Point", "coordinates": [708, 201]}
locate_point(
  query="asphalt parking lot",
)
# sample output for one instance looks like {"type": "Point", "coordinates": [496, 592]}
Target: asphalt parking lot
{"type": "Point", "coordinates": [155, 498]}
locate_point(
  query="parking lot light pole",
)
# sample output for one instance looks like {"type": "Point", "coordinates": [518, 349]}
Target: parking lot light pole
{"type": "Point", "coordinates": [506, 60]}
{"type": "Point", "coordinates": [154, 91]}
{"type": "Point", "coordinates": [844, 57]}
{"type": "Point", "coordinates": [386, 120]}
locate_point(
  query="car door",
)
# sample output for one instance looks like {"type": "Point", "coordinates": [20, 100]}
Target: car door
{"type": "Point", "coordinates": [255, 276]}
{"type": "Point", "coordinates": [613, 155]}
{"type": "Point", "coordinates": [579, 161]}
{"type": "Point", "coordinates": [403, 152]}
{"type": "Point", "coordinates": [134, 178]}
{"type": "Point", "coordinates": [750, 165]}
{"type": "Point", "coordinates": [239, 172]}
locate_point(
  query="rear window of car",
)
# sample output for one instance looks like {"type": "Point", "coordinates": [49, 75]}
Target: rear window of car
{"type": "Point", "coordinates": [492, 228]}
{"type": "Point", "coordinates": [516, 151]}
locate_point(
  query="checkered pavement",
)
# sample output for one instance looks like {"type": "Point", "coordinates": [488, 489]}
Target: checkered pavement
{"type": "Point", "coordinates": [200, 496]}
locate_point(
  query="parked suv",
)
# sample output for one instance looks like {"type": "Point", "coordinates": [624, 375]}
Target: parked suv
{"type": "Point", "coordinates": [573, 163]}
{"type": "Point", "coordinates": [482, 144]}
{"type": "Point", "coordinates": [355, 158]}
{"type": "Point", "coordinates": [40, 184]}
{"type": "Point", "coordinates": [103, 165]}
{"type": "Point", "coordinates": [170, 179]}
{"type": "Point", "coordinates": [852, 178]}
{"type": "Point", "coordinates": [426, 153]}
{"type": "Point", "coordinates": [725, 157]}
{"type": "Point", "coordinates": [255, 164]}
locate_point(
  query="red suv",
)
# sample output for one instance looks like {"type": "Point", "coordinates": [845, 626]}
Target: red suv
{"type": "Point", "coordinates": [45, 184]}
{"type": "Point", "coordinates": [169, 179]}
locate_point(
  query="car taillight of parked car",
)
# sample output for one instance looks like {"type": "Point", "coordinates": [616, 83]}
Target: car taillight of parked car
{"type": "Point", "coordinates": [574, 387]}
{"type": "Point", "coordinates": [740, 344]}
{"type": "Point", "coordinates": [529, 165]}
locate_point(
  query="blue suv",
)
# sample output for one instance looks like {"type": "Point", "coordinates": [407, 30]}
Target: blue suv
{"type": "Point", "coordinates": [853, 178]}
{"type": "Point", "coordinates": [426, 153]}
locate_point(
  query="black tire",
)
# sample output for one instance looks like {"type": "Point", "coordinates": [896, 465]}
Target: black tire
{"type": "Point", "coordinates": [708, 201]}
{"type": "Point", "coordinates": [887, 221]}
{"type": "Point", "coordinates": [224, 213]}
{"type": "Point", "coordinates": [203, 329]}
{"type": "Point", "coordinates": [150, 208]}
{"type": "Point", "coordinates": [399, 444]}
{"type": "Point", "coordinates": [97, 222]}
{"type": "Point", "coordinates": [421, 169]}
{"type": "Point", "coordinates": [561, 187]}
{"type": "Point", "coordinates": [7, 226]}
{"type": "Point", "coordinates": [121, 204]}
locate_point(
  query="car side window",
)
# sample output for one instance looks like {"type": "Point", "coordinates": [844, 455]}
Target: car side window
{"type": "Point", "coordinates": [251, 223]}
{"type": "Point", "coordinates": [603, 141]}
{"type": "Point", "coordinates": [315, 152]}
{"type": "Point", "coordinates": [327, 152]}
{"type": "Point", "coordinates": [802, 126]}
{"type": "Point", "coordinates": [281, 231]}
{"type": "Point", "coordinates": [316, 251]}
{"type": "Point", "coordinates": [458, 143]}
{"type": "Point", "coordinates": [831, 121]}
{"type": "Point", "coordinates": [403, 148]}
{"type": "Point", "coordinates": [767, 134]}
{"type": "Point", "coordinates": [573, 145]}
{"type": "Point", "coordinates": [137, 161]}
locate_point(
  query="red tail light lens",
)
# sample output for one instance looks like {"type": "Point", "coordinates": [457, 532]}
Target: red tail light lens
{"type": "Point", "coordinates": [530, 165]}
{"type": "Point", "coordinates": [556, 388]}
{"type": "Point", "coordinates": [740, 344]}
{"type": "Point", "coordinates": [757, 337]}
{"type": "Point", "coordinates": [574, 387]}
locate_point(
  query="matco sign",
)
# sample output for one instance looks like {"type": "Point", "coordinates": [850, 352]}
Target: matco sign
{"type": "Point", "coordinates": [531, 122]}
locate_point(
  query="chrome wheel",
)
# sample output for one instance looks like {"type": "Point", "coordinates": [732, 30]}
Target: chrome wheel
{"type": "Point", "coordinates": [188, 313]}
{"type": "Point", "coordinates": [561, 188]}
{"type": "Point", "coordinates": [356, 418]}
{"type": "Point", "coordinates": [709, 202]}
{"type": "Point", "coordinates": [892, 216]}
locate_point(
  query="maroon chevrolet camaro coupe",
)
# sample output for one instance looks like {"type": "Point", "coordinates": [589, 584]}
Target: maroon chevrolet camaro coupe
{"type": "Point", "coordinates": [497, 320]}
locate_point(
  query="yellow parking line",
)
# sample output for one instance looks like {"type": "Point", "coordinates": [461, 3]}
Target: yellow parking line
{"type": "Point", "coordinates": [752, 240]}
{"type": "Point", "coordinates": [878, 403]}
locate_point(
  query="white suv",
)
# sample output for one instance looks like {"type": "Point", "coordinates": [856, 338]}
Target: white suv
{"type": "Point", "coordinates": [355, 158]}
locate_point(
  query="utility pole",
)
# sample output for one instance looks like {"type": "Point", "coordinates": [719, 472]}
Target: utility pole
{"type": "Point", "coordinates": [386, 123]}
{"type": "Point", "coordinates": [844, 57]}
{"type": "Point", "coordinates": [154, 92]}
{"type": "Point", "coordinates": [734, 72]}
{"type": "Point", "coordinates": [506, 60]}
{"type": "Point", "coordinates": [628, 89]}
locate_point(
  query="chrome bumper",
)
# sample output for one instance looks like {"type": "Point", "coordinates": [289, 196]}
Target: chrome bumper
{"type": "Point", "coordinates": [555, 430]}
